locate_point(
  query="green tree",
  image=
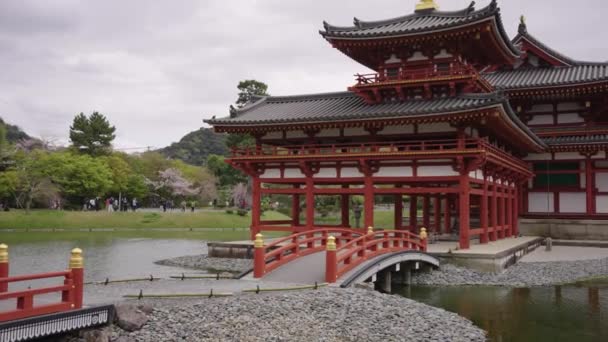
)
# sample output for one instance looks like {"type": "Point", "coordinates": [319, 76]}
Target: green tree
{"type": "Point", "coordinates": [92, 135]}
{"type": "Point", "coordinates": [31, 177]}
{"type": "Point", "coordinates": [248, 89]}
{"type": "Point", "coordinates": [226, 175]}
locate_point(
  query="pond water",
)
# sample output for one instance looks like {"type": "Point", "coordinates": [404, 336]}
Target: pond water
{"type": "Point", "coordinates": [551, 314]}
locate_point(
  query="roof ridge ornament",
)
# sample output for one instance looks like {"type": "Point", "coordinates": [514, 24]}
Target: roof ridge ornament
{"type": "Point", "coordinates": [523, 29]}
{"type": "Point", "coordinates": [426, 6]}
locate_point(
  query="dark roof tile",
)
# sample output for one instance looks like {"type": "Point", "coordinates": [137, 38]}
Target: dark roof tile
{"type": "Point", "coordinates": [543, 77]}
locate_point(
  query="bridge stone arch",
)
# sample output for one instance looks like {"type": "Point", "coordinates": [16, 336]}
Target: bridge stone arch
{"type": "Point", "coordinates": [384, 262]}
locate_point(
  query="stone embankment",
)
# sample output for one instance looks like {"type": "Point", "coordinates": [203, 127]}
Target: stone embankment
{"type": "Point", "coordinates": [328, 314]}
{"type": "Point", "coordinates": [206, 263]}
{"type": "Point", "coordinates": [520, 275]}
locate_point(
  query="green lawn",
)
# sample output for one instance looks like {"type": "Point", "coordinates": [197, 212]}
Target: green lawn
{"type": "Point", "coordinates": [40, 219]}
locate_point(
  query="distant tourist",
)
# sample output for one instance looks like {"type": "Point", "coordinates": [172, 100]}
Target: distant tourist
{"type": "Point", "coordinates": [192, 205]}
{"type": "Point", "coordinates": [134, 204]}
{"type": "Point", "coordinates": [183, 206]}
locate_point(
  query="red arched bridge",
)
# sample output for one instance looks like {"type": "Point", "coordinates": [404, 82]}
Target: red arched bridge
{"type": "Point", "coordinates": [337, 255]}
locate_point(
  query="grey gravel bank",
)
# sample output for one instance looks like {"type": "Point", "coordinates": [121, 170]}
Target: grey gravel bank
{"type": "Point", "coordinates": [328, 314]}
{"type": "Point", "coordinates": [519, 275]}
{"type": "Point", "coordinates": [204, 262]}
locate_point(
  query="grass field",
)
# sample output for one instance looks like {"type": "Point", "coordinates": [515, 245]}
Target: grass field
{"type": "Point", "coordinates": [42, 219]}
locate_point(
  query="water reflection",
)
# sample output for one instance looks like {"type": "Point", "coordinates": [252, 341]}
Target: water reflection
{"type": "Point", "coordinates": [560, 313]}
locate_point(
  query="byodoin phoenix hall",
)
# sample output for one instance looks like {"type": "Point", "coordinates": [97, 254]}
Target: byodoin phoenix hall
{"type": "Point", "coordinates": [482, 131]}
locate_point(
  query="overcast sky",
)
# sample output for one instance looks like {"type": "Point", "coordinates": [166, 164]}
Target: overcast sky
{"type": "Point", "coordinates": [157, 68]}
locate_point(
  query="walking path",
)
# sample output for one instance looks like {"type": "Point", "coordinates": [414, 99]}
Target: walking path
{"type": "Point", "coordinates": [565, 253]}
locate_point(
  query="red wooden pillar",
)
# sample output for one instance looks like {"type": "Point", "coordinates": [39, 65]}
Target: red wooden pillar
{"type": "Point", "coordinates": [368, 208]}
{"type": "Point", "coordinates": [413, 213]}
{"type": "Point", "coordinates": [509, 199]}
{"type": "Point", "coordinates": [398, 212]}
{"type": "Point", "coordinates": [501, 214]}
{"type": "Point", "coordinates": [516, 210]}
{"type": "Point", "coordinates": [295, 209]}
{"type": "Point", "coordinates": [483, 212]}
{"type": "Point", "coordinates": [310, 202]}
{"type": "Point", "coordinates": [494, 212]}
{"type": "Point", "coordinates": [447, 219]}
{"type": "Point", "coordinates": [3, 266]}
{"type": "Point", "coordinates": [345, 210]}
{"type": "Point", "coordinates": [464, 201]}
{"type": "Point", "coordinates": [77, 268]}
{"type": "Point", "coordinates": [437, 211]}
{"type": "Point", "coordinates": [590, 186]}
{"type": "Point", "coordinates": [426, 215]}
{"type": "Point", "coordinates": [256, 203]}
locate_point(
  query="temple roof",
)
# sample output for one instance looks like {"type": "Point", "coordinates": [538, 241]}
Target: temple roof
{"type": "Point", "coordinates": [577, 139]}
{"type": "Point", "coordinates": [419, 23]}
{"type": "Point", "coordinates": [544, 77]}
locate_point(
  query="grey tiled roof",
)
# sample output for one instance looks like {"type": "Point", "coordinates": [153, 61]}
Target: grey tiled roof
{"type": "Point", "coordinates": [573, 140]}
{"type": "Point", "coordinates": [419, 22]}
{"type": "Point", "coordinates": [542, 77]}
{"type": "Point", "coordinates": [347, 106]}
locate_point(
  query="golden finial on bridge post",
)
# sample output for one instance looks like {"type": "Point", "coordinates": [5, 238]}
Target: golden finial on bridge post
{"type": "Point", "coordinates": [76, 260]}
{"type": "Point", "coordinates": [370, 230]}
{"type": "Point", "coordinates": [259, 241]}
{"type": "Point", "coordinates": [3, 253]}
{"type": "Point", "coordinates": [423, 234]}
{"type": "Point", "coordinates": [426, 5]}
{"type": "Point", "coordinates": [331, 243]}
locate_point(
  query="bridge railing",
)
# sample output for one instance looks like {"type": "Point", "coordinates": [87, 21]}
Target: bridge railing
{"type": "Point", "coordinates": [342, 258]}
{"type": "Point", "coordinates": [71, 290]}
{"type": "Point", "coordinates": [269, 257]}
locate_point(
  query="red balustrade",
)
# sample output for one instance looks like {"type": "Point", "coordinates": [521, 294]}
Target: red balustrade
{"type": "Point", "coordinates": [281, 251]}
{"type": "Point", "coordinates": [71, 290]}
{"type": "Point", "coordinates": [426, 73]}
{"type": "Point", "coordinates": [342, 258]}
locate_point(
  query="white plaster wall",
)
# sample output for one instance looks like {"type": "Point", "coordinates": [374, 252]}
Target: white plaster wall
{"type": "Point", "coordinates": [417, 56]}
{"type": "Point", "coordinates": [394, 171]}
{"type": "Point", "coordinates": [326, 173]}
{"type": "Point", "coordinates": [601, 204]}
{"type": "Point", "coordinates": [273, 135]}
{"type": "Point", "coordinates": [296, 134]}
{"type": "Point", "coordinates": [540, 202]}
{"type": "Point", "coordinates": [542, 108]}
{"type": "Point", "coordinates": [600, 155]}
{"type": "Point", "coordinates": [583, 181]}
{"type": "Point", "coordinates": [569, 106]}
{"type": "Point", "coordinates": [541, 120]}
{"type": "Point", "coordinates": [572, 202]}
{"type": "Point", "coordinates": [392, 130]}
{"type": "Point", "coordinates": [329, 133]}
{"type": "Point", "coordinates": [569, 118]}
{"type": "Point", "coordinates": [393, 59]}
{"type": "Point", "coordinates": [350, 172]}
{"type": "Point", "coordinates": [601, 181]}
{"type": "Point", "coordinates": [538, 156]}
{"type": "Point", "coordinates": [294, 173]}
{"type": "Point", "coordinates": [436, 127]}
{"type": "Point", "coordinates": [443, 54]}
{"type": "Point", "coordinates": [354, 131]}
{"type": "Point", "coordinates": [477, 174]}
{"type": "Point", "coordinates": [568, 155]}
{"type": "Point", "coordinates": [271, 173]}
{"type": "Point", "coordinates": [431, 171]}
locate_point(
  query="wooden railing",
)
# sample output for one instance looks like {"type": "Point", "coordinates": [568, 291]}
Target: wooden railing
{"type": "Point", "coordinates": [415, 74]}
{"type": "Point", "coordinates": [71, 290]}
{"type": "Point", "coordinates": [341, 259]}
{"type": "Point", "coordinates": [269, 257]}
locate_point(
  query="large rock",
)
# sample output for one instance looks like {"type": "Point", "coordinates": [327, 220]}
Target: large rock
{"type": "Point", "coordinates": [130, 317]}
{"type": "Point", "coordinates": [96, 335]}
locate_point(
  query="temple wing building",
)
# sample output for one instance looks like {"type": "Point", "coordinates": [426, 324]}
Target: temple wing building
{"type": "Point", "coordinates": [474, 128]}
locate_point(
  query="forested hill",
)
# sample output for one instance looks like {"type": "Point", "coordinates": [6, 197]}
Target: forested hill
{"type": "Point", "coordinates": [195, 146]}
{"type": "Point", "coordinates": [14, 133]}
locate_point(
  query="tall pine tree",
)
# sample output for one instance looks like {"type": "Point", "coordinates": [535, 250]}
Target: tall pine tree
{"type": "Point", "coordinates": [92, 135]}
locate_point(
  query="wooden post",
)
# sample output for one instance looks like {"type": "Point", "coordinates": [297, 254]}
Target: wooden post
{"type": "Point", "coordinates": [368, 209]}
{"type": "Point", "coordinates": [426, 217]}
{"type": "Point", "coordinates": [295, 209]}
{"type": "Point", "coordinates": [464, 201]}
{"type": "Point", "coordinates": [345, 210]}
{"type": "Point", "coordinates": [509, 230]}
{"type": "Point", "coordinates": [484, 238]}
{"type": "Point", "coordinates": [501, 214]}
{"type": "Point", "coordinates": [516, 210]}
{"type": "Point", "coordinates": [447, 219]}
{"type": "Point", "coordinates": [590, 186]}
{"type": "Point", "coordinates": [77, 269]}
{"type": "Point", "coordinates": [437, 217]}
{"type": "Point", "coordinates": [331, 261]}
{"type": "Point", "coordinates": [256, 205]}
{"type": "Point", "coordinates": [494, 234]}
{"type": "Point", "coordinates": [3, 266]}
{"type": "Point", "coordinates": [310, 202]}
{"type": "Point", "coordinates": [398, 212]}
{"type": "Point", "coordinates": [413, 213]}
{"type": "Point", "coordinates": [259, 264]}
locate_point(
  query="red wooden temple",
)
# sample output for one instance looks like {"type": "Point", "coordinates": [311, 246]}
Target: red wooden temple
{"type": "Point", "coordinates": [475, 128]}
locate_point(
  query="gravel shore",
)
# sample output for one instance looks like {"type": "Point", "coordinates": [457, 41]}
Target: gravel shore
{"type": "Point", "coordinates": [204, 262]}
{"type": "Point", "coordinates": [328, 314]}
{"type": "Point", "coordinates": [520, 275]}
